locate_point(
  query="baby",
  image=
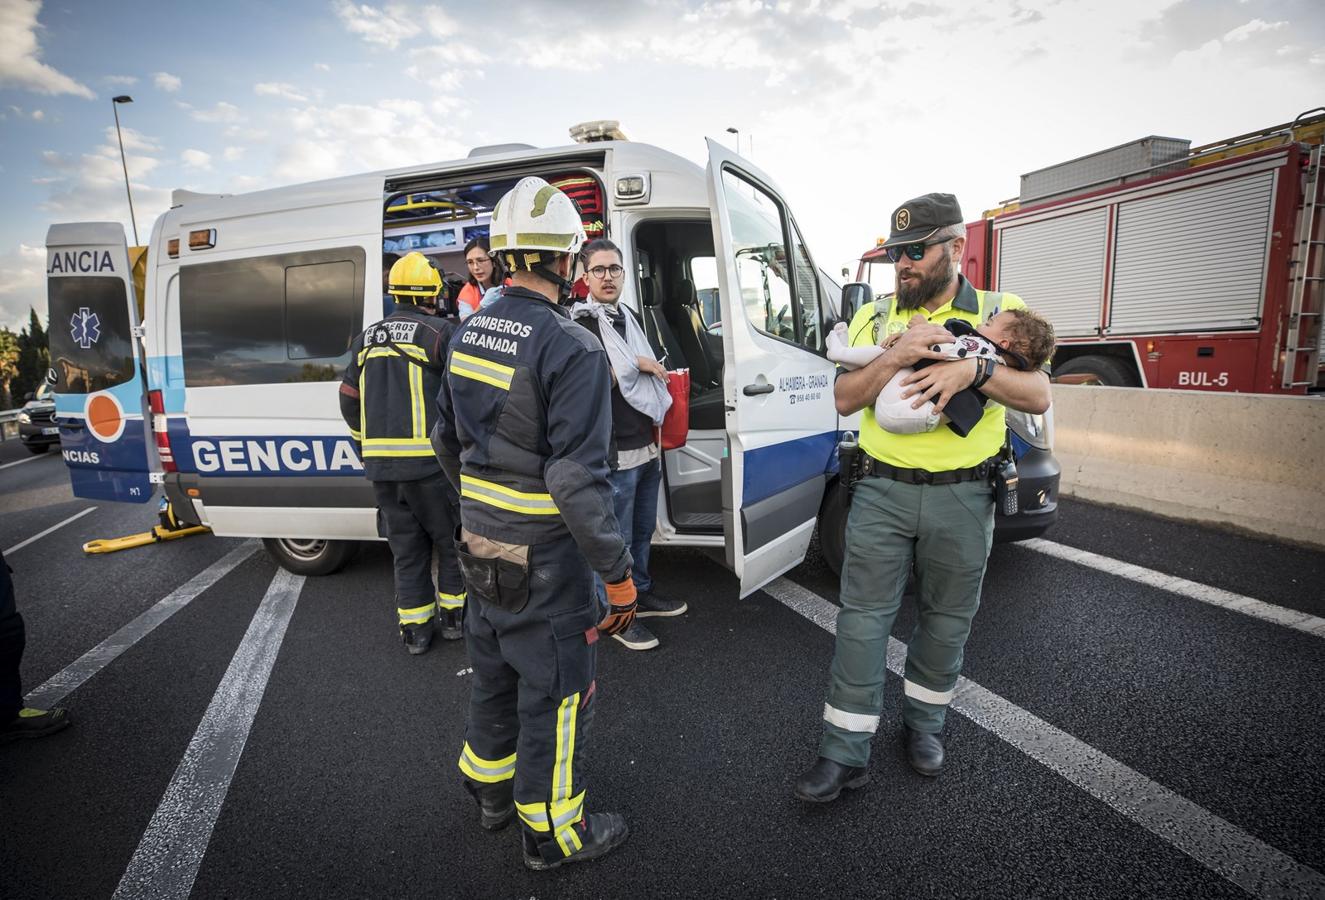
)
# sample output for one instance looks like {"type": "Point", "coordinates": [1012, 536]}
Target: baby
{"type": "Point", "coordinates": [1015, 336]}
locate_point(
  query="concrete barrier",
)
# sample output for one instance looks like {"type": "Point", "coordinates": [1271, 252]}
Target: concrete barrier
{"type": "Point", "coordinates": [1255, 461]}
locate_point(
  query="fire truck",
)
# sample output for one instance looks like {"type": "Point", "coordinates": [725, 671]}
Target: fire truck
{"type": "Point", "coordinates": [1165, 265]}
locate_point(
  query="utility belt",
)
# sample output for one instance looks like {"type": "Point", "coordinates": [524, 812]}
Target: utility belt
{"type": "Point", "coordinates": [495, 571]}
{"type": "Point", "coordinates": [999, 471]}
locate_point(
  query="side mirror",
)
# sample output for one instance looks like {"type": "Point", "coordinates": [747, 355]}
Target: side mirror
{"type": "Point", "coordinates": [854, 296]}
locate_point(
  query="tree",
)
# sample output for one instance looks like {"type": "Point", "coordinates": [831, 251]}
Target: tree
{"type": "Point", "coordinates": [8, 366]}
{"type": "Point", "coordinates": [34, 358]}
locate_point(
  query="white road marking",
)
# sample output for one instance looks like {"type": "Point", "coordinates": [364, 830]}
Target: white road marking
{"type": "Point", "coordinates": [1259, 609]}
{"type": "Point", "coordinates": [1221, 846]}
{"type": "Point", "coordinates": [65, 682]}
{"type": "Point", "coordinates": [20, 462]}
{"type": "Point", "coordinates": [58, 525]}
{"type": "Point", "coordinates": [166, 862]}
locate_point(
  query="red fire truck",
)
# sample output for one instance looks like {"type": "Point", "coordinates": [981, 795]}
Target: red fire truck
{"type": "Point", "coordinates": [1166, 265]}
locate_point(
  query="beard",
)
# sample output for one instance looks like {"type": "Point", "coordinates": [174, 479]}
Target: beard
{"type": "Point", "coordinates": [916, 295]}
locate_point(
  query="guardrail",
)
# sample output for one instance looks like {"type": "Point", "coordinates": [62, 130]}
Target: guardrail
{"type": "Point", "coordinates": [1247, 460]}
{"type": "Point", "coordinates": [9, 424]}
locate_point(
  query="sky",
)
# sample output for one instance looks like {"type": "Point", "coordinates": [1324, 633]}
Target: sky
{"type": "Point", "coordinates": [850, 106]}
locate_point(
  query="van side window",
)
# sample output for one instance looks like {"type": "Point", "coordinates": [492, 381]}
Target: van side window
{"type": "Point", "coordinates": [271, 319]}
{"type": "Point", "coordinates": [778, 286]}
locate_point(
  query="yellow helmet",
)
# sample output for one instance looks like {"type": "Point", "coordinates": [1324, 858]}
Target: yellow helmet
{"type": "Point", "coordinates": [413, 278]}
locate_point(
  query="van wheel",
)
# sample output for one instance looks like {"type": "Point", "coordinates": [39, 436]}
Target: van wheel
{"type": "Point", "coordinates": [308, 556]}
{"type": "Point", "coordinates": [1103, 370]}
{"type": "Point", "coordinates": [833, 528]}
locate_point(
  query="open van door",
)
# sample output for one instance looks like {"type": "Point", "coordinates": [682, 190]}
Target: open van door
{"type": "Point", "coordinates": [96, 363]}
{"type": "Point", "coordinates": [777, 385]}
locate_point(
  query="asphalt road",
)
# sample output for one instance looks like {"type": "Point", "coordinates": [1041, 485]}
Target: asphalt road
{"type": "Point", "coordinates": [1119, 738]}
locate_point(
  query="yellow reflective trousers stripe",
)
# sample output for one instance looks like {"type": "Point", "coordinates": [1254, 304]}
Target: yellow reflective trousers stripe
{"type": "Point", "coordinates": [488, 771]}
{"type": "Point", "coordinates": [416, 615]}
{"type": "Point", "coordinates": [450, 601]}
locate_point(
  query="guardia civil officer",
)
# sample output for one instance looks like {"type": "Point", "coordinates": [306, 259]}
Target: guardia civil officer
{"type": "Point", "coordinates": [524, 431]}
{"type": "Point", "coordinates": [925, 497]}
{"type": "Point", "coordinates": [396, 368]}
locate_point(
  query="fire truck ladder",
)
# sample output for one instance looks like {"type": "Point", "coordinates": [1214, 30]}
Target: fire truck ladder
{"type": "Point", "coordinates": [1305, 332]}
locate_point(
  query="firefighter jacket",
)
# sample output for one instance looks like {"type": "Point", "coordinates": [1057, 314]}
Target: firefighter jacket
{"type": "Point", "coordinates": [396, 368]}
{"type": "Point", "coordinates": [524, 430]}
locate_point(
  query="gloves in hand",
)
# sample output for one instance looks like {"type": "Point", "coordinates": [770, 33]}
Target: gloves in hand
{"type": "Point", "coordinates": [621, 612]}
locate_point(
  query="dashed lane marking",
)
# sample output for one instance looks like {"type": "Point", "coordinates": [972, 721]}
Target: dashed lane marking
{"type": "Point", "coordinates": [1259, 609]}
{"type": "Point", "coordinates": [22, 461]}
{"type": "Point", "coordinates": [68, 680]}
{"type": "Point", "coordinates": [1222, 847]}
{"type": "Point", "coordinates": [166, 862]}
{"type": "Point", "coordinates": [56, 527]}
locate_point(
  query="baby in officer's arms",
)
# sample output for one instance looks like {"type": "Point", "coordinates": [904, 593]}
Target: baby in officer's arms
{"type": "Point", "coordinates": [1017, 337]}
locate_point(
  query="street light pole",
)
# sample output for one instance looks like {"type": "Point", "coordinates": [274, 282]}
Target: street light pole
{"type": "Point", "coordinates": [115, 107]}
{"type": "Point", "coordinates": [737, 132]}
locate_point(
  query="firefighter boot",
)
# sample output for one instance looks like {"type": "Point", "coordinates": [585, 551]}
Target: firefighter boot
{"type": "Point", "coordinates": [496, 803]}
{"type": "Point", "coordinates": [596, 835]}
{"type": "Point", "coordinates": [923, 751]}
{"type": "Point", "coordinates": [825, 780]}
{"type": "Point", "coordinates": [418, 638]}
{"type": "Point", "coordinates": [453, 624]}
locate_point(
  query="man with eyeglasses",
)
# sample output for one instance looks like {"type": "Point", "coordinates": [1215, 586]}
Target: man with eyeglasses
{"type": "Point", "coordinates": [639, 401]}
{"type": "Point", "coordinates": [924, 498]}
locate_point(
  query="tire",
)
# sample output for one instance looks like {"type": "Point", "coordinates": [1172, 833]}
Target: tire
{"type": "Point", "coordinates": [37, 448]}
{"type": "Point", "coordinates": [309, 556]}
{"type": "Point", "coordinates": [1108, 371]}
{"type": "Point", "coordinates": [833, 528]}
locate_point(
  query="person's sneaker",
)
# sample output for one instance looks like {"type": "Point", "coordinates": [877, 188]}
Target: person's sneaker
{"type": "Point", "coordinates": [637, 637]}
{"type": "Point", "coordinates": [650, 603]}
{"type": "Point", "coordinates": [453, 624]}
{"type": "Point", "coordinates": [496, 803]}
{"type": "Point", "coordinates": [418, 638]}
{"type": "Point", "coordinates": [598, 834]}
{"type": "Point", "coordinates": [34, 723]}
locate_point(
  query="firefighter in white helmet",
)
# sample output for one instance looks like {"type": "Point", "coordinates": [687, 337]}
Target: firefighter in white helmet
{"type": "Point", "coordinates": [523, 434]}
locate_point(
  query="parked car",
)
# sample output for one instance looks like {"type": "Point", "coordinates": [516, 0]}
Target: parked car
{"type": "Point", "coordinates": [36, 421]}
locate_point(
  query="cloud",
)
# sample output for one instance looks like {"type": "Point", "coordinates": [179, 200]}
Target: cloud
{"type": "Point", "coordinates": [222, 112]}
{"type": "Point", "coordinates": [322, 67]}
{"type": "Point", "coordinates": [20, 64]}
{"type": "Point", "coordinates": [167, 82]}
{"type": "Point", "coordinates": [233, 154]}
{"type": "Point", "coordinates": [122, 80]}
{"type": "Point", "coordinates": [279, 89]}
{"type": "Point", "coordinates": [1255, 26]}
{"type": "Point", "coordinates": [22, 284]}
{"type": "Point", "coordinates": [196, 159]}
{"type": "Point", "coordinates": [385, 27]}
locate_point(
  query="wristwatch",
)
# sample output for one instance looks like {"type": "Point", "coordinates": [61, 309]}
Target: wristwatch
{"type": "Point", "coordinates": [984, 370]}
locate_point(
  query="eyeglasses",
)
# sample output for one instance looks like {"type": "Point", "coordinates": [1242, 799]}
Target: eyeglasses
{"type": "Point", "coordinates": [601, 271]}
{"type": "Point", "coordinates": [914, 251]}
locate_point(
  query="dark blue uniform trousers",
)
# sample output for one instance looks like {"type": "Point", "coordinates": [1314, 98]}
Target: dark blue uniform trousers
{"type": "Point", "coordinates": [12, 639]}
{"type": "Point", "coordinates": [416, 517]}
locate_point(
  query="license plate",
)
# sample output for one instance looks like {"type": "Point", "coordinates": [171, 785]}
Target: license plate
{"type": "Point", "coordinates": [50, 431]}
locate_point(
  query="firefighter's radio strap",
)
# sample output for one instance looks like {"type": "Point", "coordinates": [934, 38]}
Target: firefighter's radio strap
{"type": "Point", "coordinates": [495, 571]}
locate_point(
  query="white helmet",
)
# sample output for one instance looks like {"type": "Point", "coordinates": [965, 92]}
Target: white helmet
{"type": "Point", "coordinates": [533, 221]}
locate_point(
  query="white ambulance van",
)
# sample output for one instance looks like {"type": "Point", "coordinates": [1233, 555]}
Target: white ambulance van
{"type": "Point", "coordinates": [228, 403]}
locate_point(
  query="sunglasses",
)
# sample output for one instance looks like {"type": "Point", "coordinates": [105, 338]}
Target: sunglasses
{"type": "Point", "coordinates": [914, 251]}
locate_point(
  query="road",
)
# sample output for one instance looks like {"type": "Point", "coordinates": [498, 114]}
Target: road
{"type": "Point", "coordinates": [1144, 718]}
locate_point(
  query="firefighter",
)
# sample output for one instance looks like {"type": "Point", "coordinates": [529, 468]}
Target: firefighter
{"type": "Point", "coordinates": [524, 432]}
{"type": "Point", "coordinates": [396, 368]}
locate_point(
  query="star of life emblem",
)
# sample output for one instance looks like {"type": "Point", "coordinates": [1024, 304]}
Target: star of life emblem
{"type": "Point", "coordinates": [85, 328]}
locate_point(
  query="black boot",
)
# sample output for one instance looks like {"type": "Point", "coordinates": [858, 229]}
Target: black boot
{"type": "Point", "coordinates": [924, 752]}
{"type": "Point", "coordinates": [418, 638]}
{"type": "Point", "coordinates": [826, 779]}
{"type": "Point", "coordinates": [598, 835]}
{"type": "Point", "coordinates": [453, 626]}
{"type": "Point", "coordinates": [496, 803]}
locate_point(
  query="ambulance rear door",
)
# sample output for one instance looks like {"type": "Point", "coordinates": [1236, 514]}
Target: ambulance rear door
{"type": "Point", "coordinates": [777, 385]}
{"type": "Point", "coordinates": [96, 363]}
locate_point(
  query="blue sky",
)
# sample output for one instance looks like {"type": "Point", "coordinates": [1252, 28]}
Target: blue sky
{"type": "Point", "coordinates": [853, 106]}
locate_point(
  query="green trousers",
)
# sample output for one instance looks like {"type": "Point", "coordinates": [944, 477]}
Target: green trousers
{"type": "Point", "coordinates": [947, 530]}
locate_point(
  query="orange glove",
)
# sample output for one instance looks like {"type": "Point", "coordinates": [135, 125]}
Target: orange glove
{"type": "Point", "coordinates": [621, 597]}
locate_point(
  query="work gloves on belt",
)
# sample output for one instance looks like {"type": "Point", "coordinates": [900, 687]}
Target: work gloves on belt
{"type": "Point", "coordinates": [621, 609]}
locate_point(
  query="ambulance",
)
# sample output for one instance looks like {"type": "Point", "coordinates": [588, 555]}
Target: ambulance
{"type": "Point", "coordinates": [211, 383]}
